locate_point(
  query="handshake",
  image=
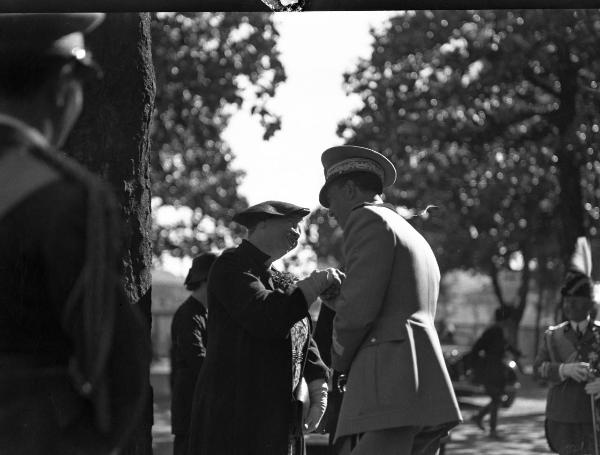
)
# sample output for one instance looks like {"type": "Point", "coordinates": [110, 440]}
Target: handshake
{"type": "Point", "coordinates": [324, 283]}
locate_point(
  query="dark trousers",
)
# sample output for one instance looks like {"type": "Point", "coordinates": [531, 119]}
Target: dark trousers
{"type": "Point", "coordinates": [417, 440]}
{"type": "Point", "coordinates": [492, 407]}
{"type": "Point", "coordinates": [180, 444]}
{"type": "Point", "coordinates": [570, 438]}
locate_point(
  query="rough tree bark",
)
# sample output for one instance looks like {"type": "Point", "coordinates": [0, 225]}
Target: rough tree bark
{"type": "Point", "coordinates": [112, 139]}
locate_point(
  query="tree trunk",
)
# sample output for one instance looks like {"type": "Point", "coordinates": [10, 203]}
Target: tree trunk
{"type": "Point", "coordinates": [538, 313]}
{"type": "Point", "coordinates": [112, 139]}
{"type": "Point", "coordinates": [493, 271]}
{"type": "Point", "coordinates": [571, 199]}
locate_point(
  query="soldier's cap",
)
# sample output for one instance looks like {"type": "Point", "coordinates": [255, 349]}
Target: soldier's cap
{"type": "Point", "coordinates": [345, 159]}
{"type": "Point", "coordinates": [576, 284]}
{"type": "Point", "coordinates": [199, 270]}
{"type": "Point", "coordinates": [253, 215]}
{"type": "Point", "coordinates": [48, 34]}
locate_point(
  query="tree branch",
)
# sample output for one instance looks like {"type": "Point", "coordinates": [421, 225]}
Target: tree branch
{"type": "Point", "coordinates": [530, 76]}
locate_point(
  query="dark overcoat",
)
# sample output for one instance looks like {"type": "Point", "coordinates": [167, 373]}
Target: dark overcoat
{"type": "Point", "coordinates": [243, 397]}
{"type": "Point", "coordinates": [42, 251]}
{"type": "Point", "coordinates": [188, 350]}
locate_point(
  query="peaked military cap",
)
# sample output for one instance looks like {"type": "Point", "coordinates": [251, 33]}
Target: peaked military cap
{"type": "Point", "coordinates": [199, 270]}
{"type": "Point", "coordinates": [269, 209]}
{"type": "Point", "coordinates": [50, 34]}
{"type": "Point", "coordinates": [345, 159]}
{"type": "Point", "coordinates": [577, 284]}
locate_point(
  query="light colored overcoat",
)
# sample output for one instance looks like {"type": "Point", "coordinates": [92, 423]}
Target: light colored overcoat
{"type": "Point", "coordinates": [384, 335]}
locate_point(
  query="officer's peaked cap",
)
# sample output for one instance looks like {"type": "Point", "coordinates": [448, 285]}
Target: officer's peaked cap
{"type": "Point", "coordinates": [48, 34]}
{"type": "Point", "coordinates": [345, 159]}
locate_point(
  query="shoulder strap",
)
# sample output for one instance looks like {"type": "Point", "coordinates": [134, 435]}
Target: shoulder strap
{"type": "Point", "coordinates": [21, 175]}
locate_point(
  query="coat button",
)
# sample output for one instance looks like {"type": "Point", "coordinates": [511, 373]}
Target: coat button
{"type": "Point", "coordinates": [373, 340]}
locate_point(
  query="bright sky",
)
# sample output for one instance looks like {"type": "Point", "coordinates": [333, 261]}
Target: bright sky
{"type": "Point", "coordinates": [316, 48]}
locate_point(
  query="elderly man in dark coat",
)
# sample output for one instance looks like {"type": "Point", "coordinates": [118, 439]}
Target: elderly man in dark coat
{"type": "Point", "coordinates": [399, 398]}
{"type": "Point", "coordinates": [73, 356]}
{"type": "Point", "coordinates": [261, 350]}
{"type": "Point", "coordinates": [188, 348]}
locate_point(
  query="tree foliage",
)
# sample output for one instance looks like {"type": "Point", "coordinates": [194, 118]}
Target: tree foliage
{"type": "Point", "coordinates": [205, 64]}
{"type": "Point", "coordinates": [493, 117]}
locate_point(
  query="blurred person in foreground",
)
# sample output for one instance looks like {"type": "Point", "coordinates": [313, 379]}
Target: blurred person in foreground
{"type": "Point", "coordinates": [73, 355]}
{"type": "Point", "coordinates": [564, 361]}
{"type": "Point", "coordinates": [398, 398]}
{"type": "Point", "coordinates": [262, 362]}
{"type": "Point", "coordinates": [487, 356]}
{"type": "Point", "coordinates": [188, 348]}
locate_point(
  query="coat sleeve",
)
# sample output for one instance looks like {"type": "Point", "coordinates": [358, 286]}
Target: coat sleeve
{"type": "Point", "coordinates": [189, 337]}
{"type": "Point", "coordinates": [369, 245]}
{"type": "Point", "coordinates": [264, 313]}
{"type": "Point", "coordinates": [545, 366]}
{"type": "Point", "coordinates": [315, 367]}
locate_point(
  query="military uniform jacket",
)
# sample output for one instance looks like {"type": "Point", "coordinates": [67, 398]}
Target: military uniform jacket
{"type": "Point", "coordinates": [384, 334]}
{"type": "Point", "coordinates": [567, 400]}
{"type": "Point", "coordinates": [42, 250]}
{"type": "Point", "coordinates": [188, 350]}
{"type": "Point", "coordinates": [243, 397]}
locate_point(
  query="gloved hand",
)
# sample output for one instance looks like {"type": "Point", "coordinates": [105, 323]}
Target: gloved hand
{"type": "Point", "coordinates": [317, 282]}
{"type": "Point", "coordinates": [578, 371]}
{"type": "Point", "coordinates": [593, 387]}
{"type": "Point", "coordinates": [317, 392]}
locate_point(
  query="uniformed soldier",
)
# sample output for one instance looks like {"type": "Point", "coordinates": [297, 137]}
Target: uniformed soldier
{"type": "Point", "coordinates": [73, 356]}
{"type": "Point", "coordinates": [563, 361]}
{"type": "Point", "coordinates": [188, 348]}
{"type": "Point", "coordinates": [399, 398]}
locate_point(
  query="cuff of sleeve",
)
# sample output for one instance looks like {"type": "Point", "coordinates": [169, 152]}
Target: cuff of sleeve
{"type": "Point", "coordinates": [561, 374]}
{"type": "Point", "coordinates": [309, 291]}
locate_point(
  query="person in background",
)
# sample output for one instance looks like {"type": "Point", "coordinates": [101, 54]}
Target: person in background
{"type": "Point", "coordinates": [398, 397]}
{"type": "Point", "coordinates": [487, 355]}
{"type": "Point", "coordinates": [262, 361]}
{"type": "Point", "coordinates": [563, 361]}
{"type": "Point", "coordinates": [188, 348]}
{"type": "Point", "coordinates": [74, 355]}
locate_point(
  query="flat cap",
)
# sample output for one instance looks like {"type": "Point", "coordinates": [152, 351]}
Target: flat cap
{"type": "Point", "coordinates": [345, 159]}
{"type": "Point", "coordinates": [199, 270]}
{"type": "Point", "coordinates": [269, 209]}
{"type": "Point", "coordinates": [50, 34]}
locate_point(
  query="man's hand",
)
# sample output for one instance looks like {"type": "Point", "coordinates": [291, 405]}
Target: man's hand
{"type": "Point", "coordinates": [329, 295]}
{"type": "Point", "coordinates": [578, 371]}
{"type": "Point", "coordinates": [593, 387]}
{"type": "Point", "coordinates": [317, 391]}
{"type": "Point", "coordinates": [317, 282]}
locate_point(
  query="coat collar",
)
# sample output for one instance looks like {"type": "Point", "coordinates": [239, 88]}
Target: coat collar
{"type": "Point", "coordinates": [259, 261]}
{"type": "Point", "coordinates": [29, 133]}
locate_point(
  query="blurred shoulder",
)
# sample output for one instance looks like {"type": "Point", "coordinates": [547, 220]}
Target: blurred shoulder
{"type": "Point", "coordinates": [558, 329]}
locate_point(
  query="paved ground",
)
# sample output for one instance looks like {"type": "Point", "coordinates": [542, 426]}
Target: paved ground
{"type": "Point", "coordinates": [521, 425]}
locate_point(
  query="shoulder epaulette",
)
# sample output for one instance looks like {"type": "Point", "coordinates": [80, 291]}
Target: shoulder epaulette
{"type": "Point", "coordinates": [552, 328]}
